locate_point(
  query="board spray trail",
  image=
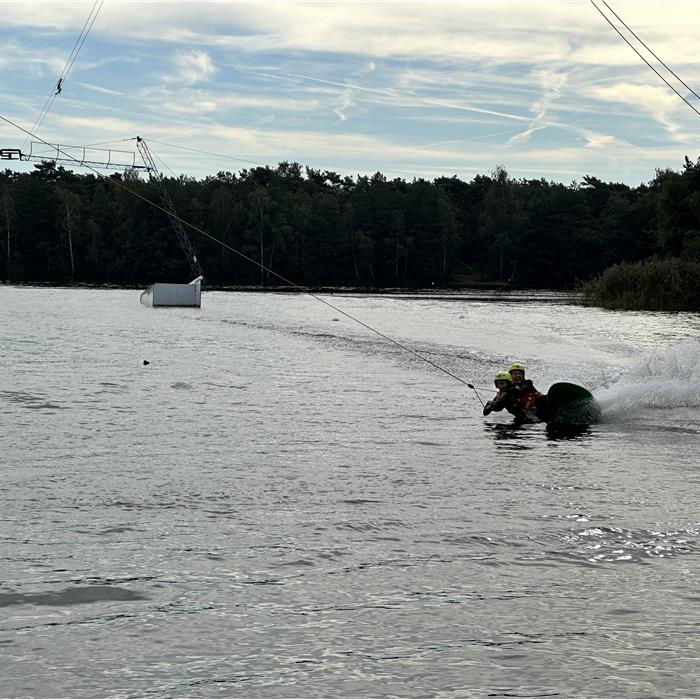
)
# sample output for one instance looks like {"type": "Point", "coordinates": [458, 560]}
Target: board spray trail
{"type": "Point", "coordinates": [660, 379]}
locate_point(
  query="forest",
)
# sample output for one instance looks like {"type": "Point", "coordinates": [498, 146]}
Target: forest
{"type": "Point", "coordinates": [320, 229]}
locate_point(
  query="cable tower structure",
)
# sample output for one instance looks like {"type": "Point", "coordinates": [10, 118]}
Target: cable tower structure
{"type": "Point", "coordinates": [157, 178]}
{"type": "Point", "coordinates": [79, 156]}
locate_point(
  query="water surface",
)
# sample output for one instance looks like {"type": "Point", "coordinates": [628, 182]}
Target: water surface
{"type": "Point", "coordinates": [283, 504]}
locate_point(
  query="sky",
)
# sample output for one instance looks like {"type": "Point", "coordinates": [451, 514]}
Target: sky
{"type": "Point", "coordinates": [544, 89]}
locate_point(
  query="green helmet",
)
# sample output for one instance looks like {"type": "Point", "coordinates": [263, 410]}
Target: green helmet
{"type": "Point", "coordinates": [515, 365]}
{"type": "Point", "coordinates": [502, 376]}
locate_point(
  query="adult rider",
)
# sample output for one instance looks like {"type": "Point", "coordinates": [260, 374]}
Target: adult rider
{"type": "Point", "coordinates": [530, 399]}
{"type": "Point", "coordinates": [517, 395]}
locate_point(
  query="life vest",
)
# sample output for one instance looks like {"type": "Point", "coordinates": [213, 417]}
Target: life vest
{"type": "Point", "coordinates": [524, 399]}
{"type": "Point", "coordinates": [529, 400]}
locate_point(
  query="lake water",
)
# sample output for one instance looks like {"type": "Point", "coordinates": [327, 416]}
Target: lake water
{"type": "Point", "coordinates": [285, 504]}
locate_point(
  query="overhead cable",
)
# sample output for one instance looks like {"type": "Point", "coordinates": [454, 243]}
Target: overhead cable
{"type": "Point", "coordinates": [164, 163]}
{"type": "Point", "coordinates": [56, 90]}
{"type": "Point", "coordinates": [675, 75]}
{"type": "Point", "coordinates": [208, 153]}
{"type": "Point", "coordinates": [629, 43]}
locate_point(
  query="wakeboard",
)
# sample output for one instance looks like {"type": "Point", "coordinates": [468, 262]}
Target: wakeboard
{"type": "Point", "coordinates": [569, 404]}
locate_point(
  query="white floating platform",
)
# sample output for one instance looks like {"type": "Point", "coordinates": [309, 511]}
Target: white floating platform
{"type": "Point", "coordinates": [165, 294]}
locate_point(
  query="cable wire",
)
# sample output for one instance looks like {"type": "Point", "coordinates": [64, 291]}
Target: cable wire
{"type": "Point", "coordinates": [164, 163]}
{"type": "Point", "coordinates": [208, 153]}
{"type": "Point", "coordinates": [85, 36]}
{"type": "Point", "coordinates": [106, 143]}
{"type": "Point", "coordinates": [56, 90]}
{"type": "Point", "coordinates": [294, 285]}
{"type": "Point", "coordinates": [677, 77]}
{"type": "Point", "coordinates": [644, 59]}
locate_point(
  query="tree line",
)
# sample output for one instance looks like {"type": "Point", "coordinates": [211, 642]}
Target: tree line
{"type": "Point", "coordinates": [318, 228]}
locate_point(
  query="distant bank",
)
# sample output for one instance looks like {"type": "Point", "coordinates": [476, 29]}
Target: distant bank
{"type": "Point", "coordinates": [671, 284]}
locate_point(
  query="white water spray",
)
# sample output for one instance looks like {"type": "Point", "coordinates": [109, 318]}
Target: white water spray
{"type": "Point", "coordinates": [668, 378]}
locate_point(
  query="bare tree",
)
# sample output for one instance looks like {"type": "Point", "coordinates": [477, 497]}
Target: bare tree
{"type": "Point", "coordinates": [8, 207]}
{"type": "Point", "coordinates": [69, 206]}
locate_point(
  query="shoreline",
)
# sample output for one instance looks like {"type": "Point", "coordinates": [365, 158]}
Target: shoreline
{"type": "Point", "coordinates": [301, 289]}
{"type": "Point", "coordinates": [484, 293]}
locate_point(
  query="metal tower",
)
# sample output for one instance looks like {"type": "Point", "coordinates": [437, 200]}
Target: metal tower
{"type": "Point", "coordinates": [168, 205]}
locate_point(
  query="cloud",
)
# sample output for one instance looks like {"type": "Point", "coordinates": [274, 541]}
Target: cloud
{"type": "Point", "coordinates": [97, 88]}
{"type": "Point", "coordinates": [35, 63]}
{"type": "Point", "coordinates": [476, 30]}
{"type": "Point", "coordinates": [551, 84]}
{"type": "Point", "coordinates": [346, 103]}
{"type": "Point", "coordinates": [209, 101]}
{"type": "Point", "coordinates": [329, 78]}
{"type": "Point", "coordinates": [193, 67]}
{"type": "Point", "coordinates": [401, 97]}
{"type": "Point", "coordinates": [100, 124]}
{"type": "Point", "coordinates": [360, 153]}
{"type": "Point", "coordinates": [659, 102]}
{"type": "Point", "coordinates": [200, 106]}
{"type": "Point", "coordinates": [598, 140]}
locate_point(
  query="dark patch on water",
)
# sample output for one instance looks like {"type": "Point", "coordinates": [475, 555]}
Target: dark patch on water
{"type": "Point", "coordinates": [568, 432]}
{"type": "Point", "coordinates": [117, 529]}
{"type": "Point", "coordinates": [32, 401]}
{"type": "Point", "coordinates": [70, 596]}
{"type": "Point", "coordinates": [44, 406]}
{"type": "Point", "coordinates": [20, 396]}
{"type": "Point", "coordinates": [181, 385]}
{"type": "Point", "coordinates": [297, 562]}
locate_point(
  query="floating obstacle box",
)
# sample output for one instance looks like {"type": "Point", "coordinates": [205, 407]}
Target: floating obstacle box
{"type": "Point", "coordinates": [166, 294]}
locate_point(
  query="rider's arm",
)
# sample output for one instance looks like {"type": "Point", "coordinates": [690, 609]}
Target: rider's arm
{"type": "Point", "coordinates": [497, 403]}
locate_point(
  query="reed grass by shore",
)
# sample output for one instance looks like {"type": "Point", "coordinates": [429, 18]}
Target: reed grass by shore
{"type": "Point", "coordinates": [671, 284]}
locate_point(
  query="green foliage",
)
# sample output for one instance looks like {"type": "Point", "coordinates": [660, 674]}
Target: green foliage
{"type": "Point", "coordinates": [315, 227]}
{"type": "Point", "coordinates": [671, 284]}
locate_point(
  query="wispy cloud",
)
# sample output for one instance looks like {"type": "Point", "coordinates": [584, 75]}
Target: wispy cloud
{"type": "Point", "coordinates": [551, 83]}
{"type": "Point", "coordinates": [192, 67]}
{"type": "Point", "coordinates": [403, 87]}
{"type": "Point", "coordinates": [32, 62]}
{"type": "Point", "coordinates": [189, 100]}
{"type": "Point", "coordinates": [344, 106]}
{"type": "Point", "coordinates": [103, 90]}
{"type": "Point", "coordinates": [659, 102]}
{"type": "Point", "coordinates": [106, 125]}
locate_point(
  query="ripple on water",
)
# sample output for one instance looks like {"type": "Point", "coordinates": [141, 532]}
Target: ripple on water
{"type": "Point", "coordinates": [31, 401]}
{"type": "Point", "coordinates": [613, 544]}
{"type": "Point", "coordinates": [327, 515]}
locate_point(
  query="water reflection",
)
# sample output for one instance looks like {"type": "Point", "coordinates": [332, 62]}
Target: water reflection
{"type": "Point", "coordinates": [567, 432]}
{"type": "Point", "coordinates": [517, 434]}
{"type": "Point", "coordinates": [509, 435]}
